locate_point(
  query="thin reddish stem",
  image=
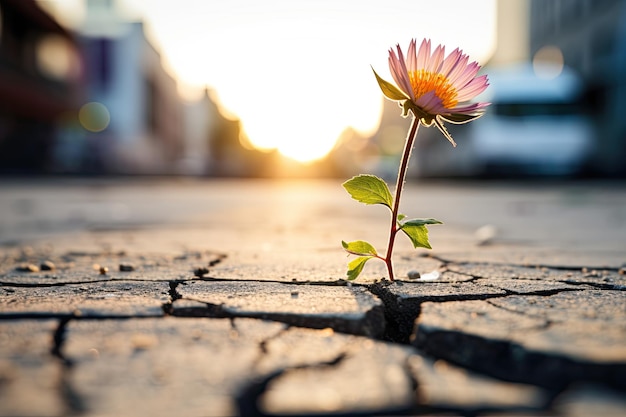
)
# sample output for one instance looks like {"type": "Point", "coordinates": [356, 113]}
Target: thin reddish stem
{"type": "Point", "coordinates": [408, 147]}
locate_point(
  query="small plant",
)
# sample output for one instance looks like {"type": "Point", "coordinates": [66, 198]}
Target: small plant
{"type": "Point", "coordinates": [434, 90]}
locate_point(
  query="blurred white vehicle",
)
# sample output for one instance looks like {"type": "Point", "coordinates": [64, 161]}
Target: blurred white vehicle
{"type": "Point", "coordinates": [534, 126]}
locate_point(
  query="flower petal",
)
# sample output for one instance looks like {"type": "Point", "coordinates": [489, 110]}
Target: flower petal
{"type": "Point", "coordinates": [412, 56]}
{"type": "Point", "coordinates": [436, 59]}
{"type": "Point", "coordinates": [473, 88]}
{"type": "Point", "coordinates": [450, 62]}
{"type": "Point", "coordinates": [423, 55]}
{"type": "Point", "coordinates": [431, 103]}
{"type": "Point", "coordinates": [469, 109]}
{"type": "Point", "coordinates": [399, 74]}
{"type": "Point", "coordinates": [466, 76]}
{"type": "Point", "coordinates": [458, 68]}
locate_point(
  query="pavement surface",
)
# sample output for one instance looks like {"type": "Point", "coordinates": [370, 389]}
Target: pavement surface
{"type": "Point", "coordinates": [218, 298]}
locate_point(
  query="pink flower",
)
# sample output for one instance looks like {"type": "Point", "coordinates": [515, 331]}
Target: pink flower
{"type": "Point", "coordinates": [434, 88]}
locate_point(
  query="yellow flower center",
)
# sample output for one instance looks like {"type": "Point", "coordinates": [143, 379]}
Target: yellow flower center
{"type": "Point", "coordinates": [423, 81]}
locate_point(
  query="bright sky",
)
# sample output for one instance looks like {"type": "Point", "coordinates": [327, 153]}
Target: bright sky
{"type": "Point", "coordinates": [297, 72]}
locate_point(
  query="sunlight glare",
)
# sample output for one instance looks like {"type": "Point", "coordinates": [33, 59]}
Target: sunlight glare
{"type": "Point", "coordinates": [298, 74]}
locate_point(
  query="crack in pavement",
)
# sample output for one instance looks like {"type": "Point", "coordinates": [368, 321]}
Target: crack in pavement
{"type": "Point", "coordinates": [72, 283]}
{"type": "Point", "coordinates": [575, 268]}
{"type": "Point", "coordinates": [546, 322]}
{"type": "Point", "coordinates": [173, 292]}
{"type": "Point", "coordinates": [510, 361]}
{"type": "Point", "coordinates": [338, 324]}
{"type": "Point", "coordinates": [248, 398]}
{"type": "Point", "coordinates": [542, 292]}
{"type": "Point", "coordinates": [526, 350]}
{"type": "Point", "coordinates": [75, 404]}
{"type": "Point", "coordinates": [401, 313]}
{"type": "Point", "coordinates": [337, 283]}
{"type": "Point", "coordinates": [400, 316]}
{"type": "Point", "coordinates": [263, 344]}
{"type": "Point", "coordinates": [506, 360]}
{"type": "Point", "coordinates": [583, 280]}
{"type": "Point", "coordinates": [174, 295]}
{"type": "Point", "coordinates": [597, 285]}
{"type": "Point", "coordinates": [58, 339]}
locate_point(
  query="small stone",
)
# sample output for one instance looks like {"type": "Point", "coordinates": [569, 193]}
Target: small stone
{"type": "Point", "coordinates": [485, 235]}
{"type": "Point", "coordinates": [413, 274]}
{"type": "Point", "coordinates": [103, 270]}
{"type": "Point", "coordinates": [142, 341]}
{"type": "Point", "coordinates": [27, 268]}
{"type": "Point", "coordinates": [126, 268]}
{"type": "Point", "coordinates": [294, 294]}
{"type": "Point", "coordinates": [200, 272]}
{"type": "Point", "coordinates": [47, 266]}
{"type": "Point", "coordinates": [622, 270]}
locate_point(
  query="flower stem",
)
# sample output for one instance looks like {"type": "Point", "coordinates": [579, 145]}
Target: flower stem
{"type": "Point", "coordinates": [408, 147]}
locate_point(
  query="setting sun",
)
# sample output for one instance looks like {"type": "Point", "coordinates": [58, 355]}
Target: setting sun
{"type": "Point", "coordinates": [298, 74]}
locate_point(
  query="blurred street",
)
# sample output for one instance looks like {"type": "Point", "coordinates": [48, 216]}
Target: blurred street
{"type": "Point", "coordinates": [533, 222]}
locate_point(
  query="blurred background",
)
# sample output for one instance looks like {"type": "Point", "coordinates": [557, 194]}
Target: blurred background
{"type": "Point", "coordinates": [285, 89]}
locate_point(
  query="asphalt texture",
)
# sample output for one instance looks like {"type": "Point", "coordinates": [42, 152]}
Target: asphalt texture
{"type": "Point", "coordinates": [131, 297]}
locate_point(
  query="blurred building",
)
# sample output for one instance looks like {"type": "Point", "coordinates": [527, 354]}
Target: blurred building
{"type": "Point", "coordinates": [40, 82]}
{"type": "Point", "coordinates": [199, 117]}
{"type": "Point", "coordinates": [132, 117]}
{"type": "Point", "coordinates": [512, 33]}
{"type": "Point", "coordinates": [591, 35]}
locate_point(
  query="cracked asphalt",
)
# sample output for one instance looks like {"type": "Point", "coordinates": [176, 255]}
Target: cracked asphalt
{"type": "Point", "coordinates": [218, 298]}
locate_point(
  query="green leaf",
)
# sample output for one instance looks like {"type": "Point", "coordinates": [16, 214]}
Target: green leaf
{"type": "Point", "coordinates": [420, 222]}
{"type": "Point", "coordinates": [359, 247]}
{"type": "Point", "coordinates": [418, 236]}
{"type": "Point", "coordinates": [401, 217]}
{"type": "Point", "coordinates": [460, 118]}
{"type": "Point", "coordinates": [389, 90]}
{"type": "Point", "coordinates": [369, 189]}
{"type": "Point", "coordinates": [416, 230]}
{"type": "Point", "coordinates": [355, 266]}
